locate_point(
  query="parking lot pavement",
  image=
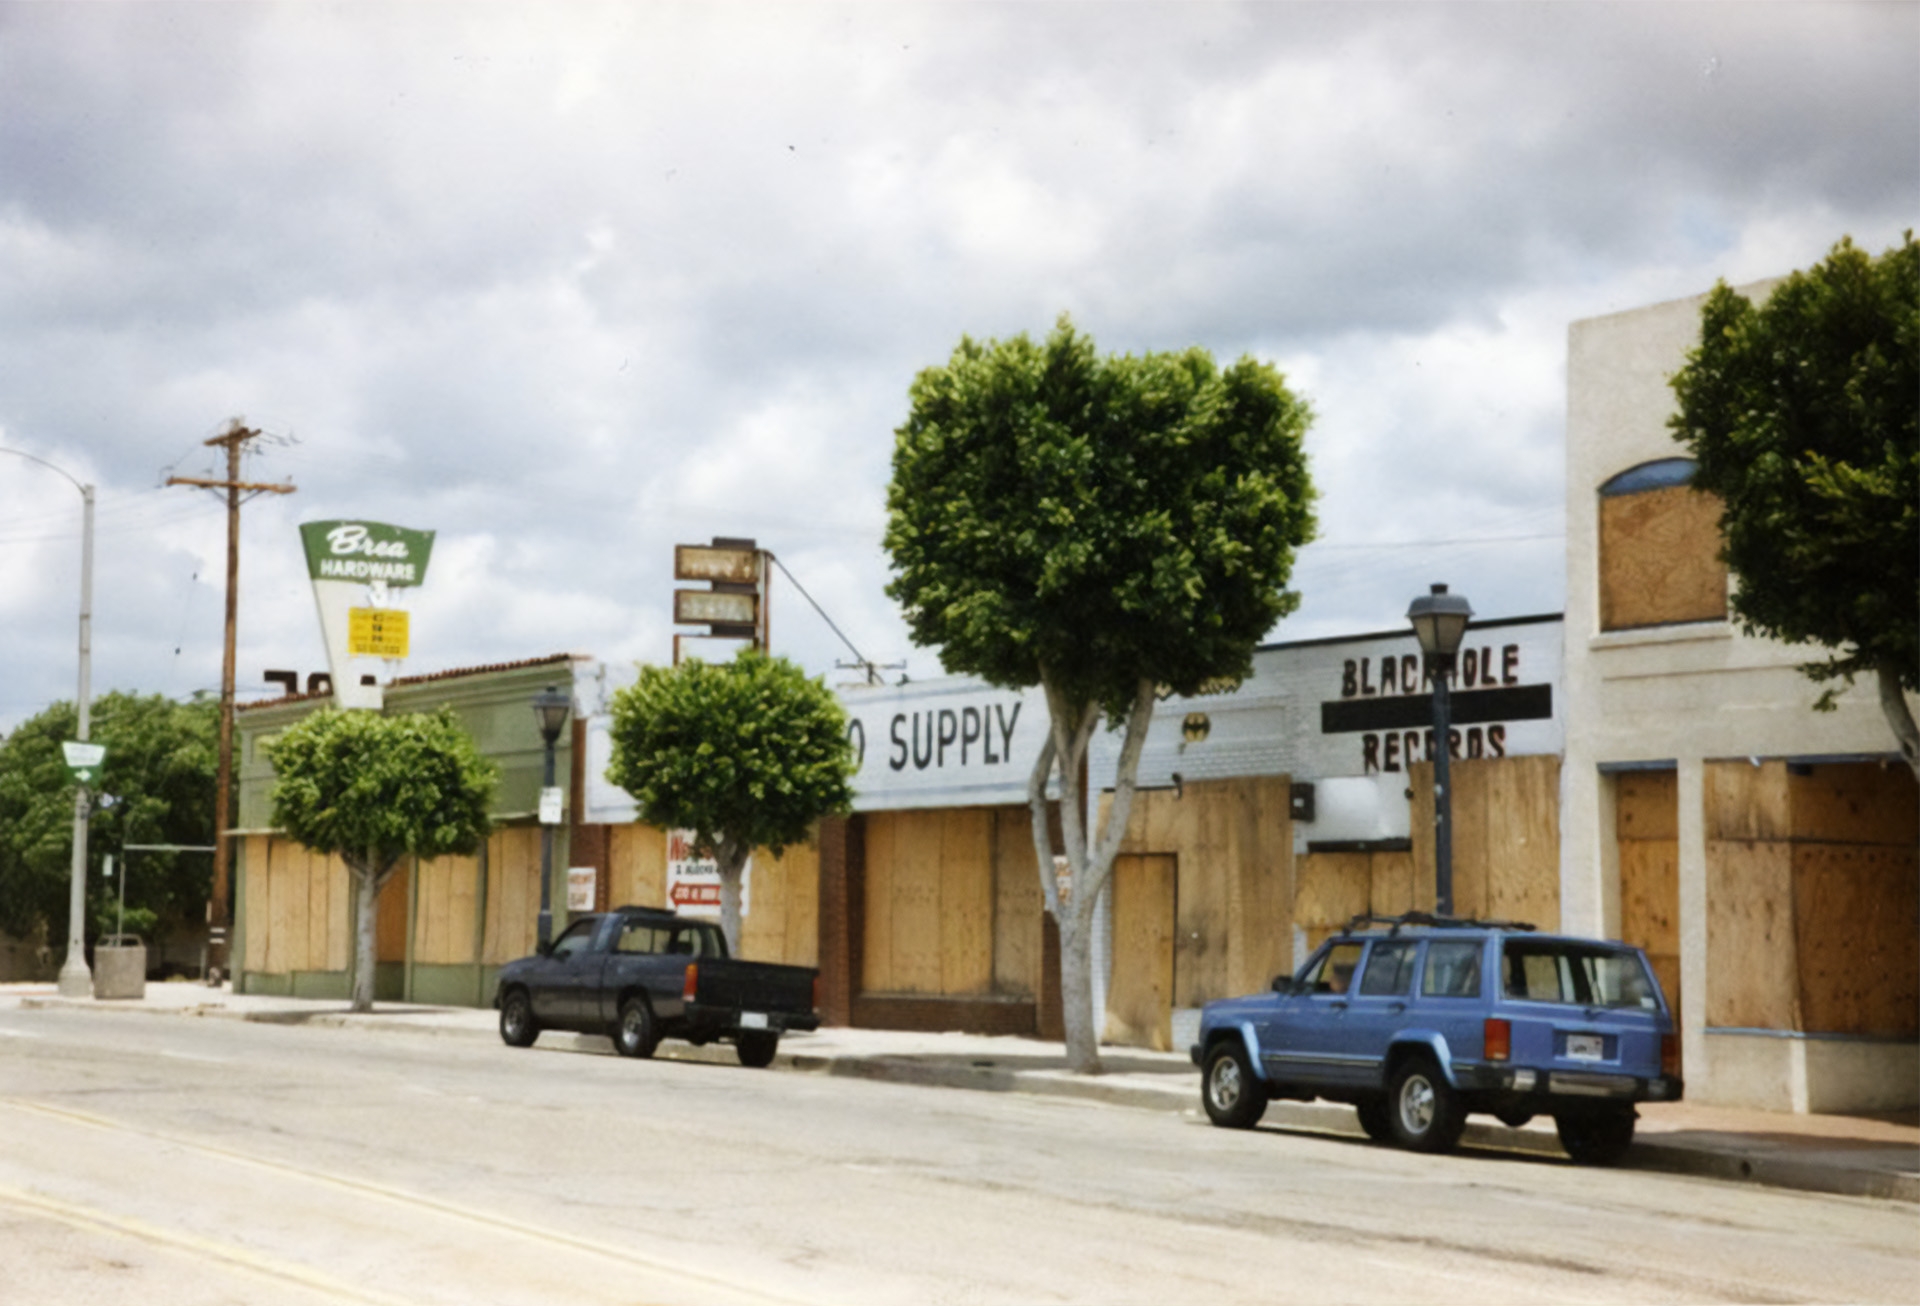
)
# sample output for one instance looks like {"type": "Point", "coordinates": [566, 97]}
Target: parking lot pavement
{"type": "Point", "coordinates": [1857, 1156]}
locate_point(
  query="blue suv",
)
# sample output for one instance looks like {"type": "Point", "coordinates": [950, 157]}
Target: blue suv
{"type": "Point", "coordinates": [1417, 1020]}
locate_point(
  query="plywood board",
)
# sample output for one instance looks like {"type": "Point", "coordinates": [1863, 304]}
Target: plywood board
{"type": "Point", "coordinates": [1659, 558]}
{"type": "Point", "coordinates": [1140, 994]}
{"type": "Point", "coordinates": [1260, 864]}
{"type": "Point", "coordinates": [1752, 980]}
{"type": "Point", "coordinates": [1331, 889]}
{"type": "Point", "coordinates": [258, 869]}
{"type": "Point", "coordinates": [390, 922]}
{"type": "Point", "coordinates": [1650, 895]}
{"type": "Point", "coordinates": [1390, 881]}
{"type": "Point", "coordinates": [443, 912]}
{"type": "Point", "coordinates": [1744, 801]}
{"type": "Point", "coordinates": [916, 903]}
{"type": "Point", "coordinates": [1855, 908]}
{"type": "Point", "coordinates": [636, 866]}
{"type": "Point", "coordinates": [1420, 818]}
{"type": "Point", "coordinates": [876, 947]}
{"type": "Point", "coordinates": [1018, 905]}
{"type": "Point", "coordinates": [1472, 836]}
{"type": "Point", "coordinates": [513, 893]}
{"type": "Point", "coordinates": [1522, 857]}
{"type": "Point", "coordinates": [965, 877]}
{"type": "Point", "coordinates": [1199, 835]}
{"type": "Point", "coordinates": [1860, 802]}
{"type": "Point", "coordinates": [1646, 805]}
{"type": "Point", "coordinates": [801, 879]}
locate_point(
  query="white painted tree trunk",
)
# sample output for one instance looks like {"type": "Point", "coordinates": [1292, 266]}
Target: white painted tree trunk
{"type": "Point", "coordinates": [1089, 866]}
{"type": "Point", "coordinates": [731, 859]}
{"type": "Point", "coordinates": [1893, 702]}
{"type": "Point", "coordinates": [369, 879]}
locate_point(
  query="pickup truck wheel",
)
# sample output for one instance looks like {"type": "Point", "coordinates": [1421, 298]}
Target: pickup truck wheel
{"type": "Point", "coordinates": [1375, 1118]}
{"type": "Point", "coordinates": [1596, 1137]}
{"type": "Point", "coordinates": [756, 1048]}
{"type": "Point", "coordinates": [1423, 1109]}
{"type": "Point", "coordinates": [634, 1036]}
{"type": "Point", "coordinates": [518, 1028]}
{"type": "Point", "coordinates": [1234, 1097]}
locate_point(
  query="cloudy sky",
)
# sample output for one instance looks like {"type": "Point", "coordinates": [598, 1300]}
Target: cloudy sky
{"type": "Point", "coordinates": [570, 284]}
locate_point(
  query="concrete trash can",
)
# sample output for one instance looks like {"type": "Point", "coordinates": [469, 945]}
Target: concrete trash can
{"type": "Point", "coordinates": [120, 967]}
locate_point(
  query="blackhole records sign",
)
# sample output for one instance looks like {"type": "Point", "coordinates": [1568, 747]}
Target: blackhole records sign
{"type": "Point", "coordinates": [942, 743]}
{"type": "Point", "coordinates": [693, 883]}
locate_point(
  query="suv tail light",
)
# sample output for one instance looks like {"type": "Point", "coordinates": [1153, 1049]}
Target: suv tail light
{"type": "Point", "coordinates": [1670, 1054]}
{"type": "Point", "coordinates": [692, 984]}
{"type": "Point", "coordinates": [1498, 1035]}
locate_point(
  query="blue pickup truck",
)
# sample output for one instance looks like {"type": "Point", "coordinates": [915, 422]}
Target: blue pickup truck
{"type": "Point", "coordinates": [641, 974]}
{"type": "Point", "coordinates": [1419, 1020]}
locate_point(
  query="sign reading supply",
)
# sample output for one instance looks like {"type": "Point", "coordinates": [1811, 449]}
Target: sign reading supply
{"type": "Point", "coordinates": [366, 551]}
{"type": "Point", "coordinates": [377, 632]}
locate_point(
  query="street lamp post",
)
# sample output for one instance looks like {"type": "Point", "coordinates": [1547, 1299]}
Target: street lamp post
{"type": "Point", "coordinates": [76, 981]}
{"type": "Point", "coordinates": [550, 708]}
{"type": "Point", "coordinates": [1440, 622]}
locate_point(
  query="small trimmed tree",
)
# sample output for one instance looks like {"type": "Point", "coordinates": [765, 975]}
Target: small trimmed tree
{"type": "Point", "coordinates": [1803, 415]}
{"type": "Point", "coordinates": [746, 754]}
{"type": "Point", "coordinates": [374, 789]}
{"type": "Point", "coordinates": [1104, 528]}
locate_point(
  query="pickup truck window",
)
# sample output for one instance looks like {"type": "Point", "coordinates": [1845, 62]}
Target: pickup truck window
{"type": "Point", "coordinates": [1544, 971]}
{"type": "Point", "coordinates": [1389, 968]}
{"type": "Point", "coordinates": [575, 940]}
{"type": "Point", "coordinates": [696, 941]}
{"type": "Point", "coordinates": [1453, 969]}
{"type": "Point", "coordinates": [638, 938]}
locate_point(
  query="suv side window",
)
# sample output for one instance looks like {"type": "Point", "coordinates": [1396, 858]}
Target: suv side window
{"type": "Point", "coordinates": [1389, 968]}
{"type": "Point", "coordinates": [1333, 973]}
{"type": "Point", "coordinates": [1453, 969]}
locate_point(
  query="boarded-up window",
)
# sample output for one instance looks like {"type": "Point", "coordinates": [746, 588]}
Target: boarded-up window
{"type": "Point", "coordinates": [1659, 549]}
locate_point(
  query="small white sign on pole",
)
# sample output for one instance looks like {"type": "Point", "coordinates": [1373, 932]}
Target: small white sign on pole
{"type": "Point", "coordinates": [693, 883]}
{"type": "Point", "coordinates": [581, 882]}
{"type": "Point", "coordinates": [552, 805]}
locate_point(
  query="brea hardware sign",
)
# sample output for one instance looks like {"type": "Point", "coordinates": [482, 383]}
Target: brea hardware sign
{"type": "Point", "coordinates": [366, 551]}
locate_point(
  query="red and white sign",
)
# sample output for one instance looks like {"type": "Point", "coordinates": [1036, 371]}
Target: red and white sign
{"type": "Point", "coordinates": [693, 883]}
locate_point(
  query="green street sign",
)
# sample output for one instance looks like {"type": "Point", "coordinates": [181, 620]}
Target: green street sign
{"type": "Point", "coordinates": [84, 760]}
{"type": "Point", "coordinates": [366, 551]}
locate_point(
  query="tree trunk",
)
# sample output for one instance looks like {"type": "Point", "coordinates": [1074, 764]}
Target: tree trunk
{"type": "Point", "coordinates": [1089, 866]}
{"type": "Point", "coordinates": [1893, 702]}
{"type": "Point", "coordinates": [369, 878]}
{"type": "Point", "coordinates": [731, 858]}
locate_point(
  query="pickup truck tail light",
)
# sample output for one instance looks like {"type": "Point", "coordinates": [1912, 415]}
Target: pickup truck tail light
{"type": "Point", "coordinates": [1499, 1039]}
{"type": "Point", "coordinates": [1670, 1054]}
{"type": "Point", "coordinates": [692, 984]}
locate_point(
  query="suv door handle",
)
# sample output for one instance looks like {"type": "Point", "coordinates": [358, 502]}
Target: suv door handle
{"type": "Point", "coordinates": [1395, 1008]}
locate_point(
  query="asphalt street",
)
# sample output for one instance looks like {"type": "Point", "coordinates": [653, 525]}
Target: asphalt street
{"type": "Point", "coordinates": [165, 1161]}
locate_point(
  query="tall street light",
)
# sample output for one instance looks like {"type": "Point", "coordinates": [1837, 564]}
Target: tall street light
{"type": "Point", "coordinates": [550, 708]}
{"type": "Point", "coordinates": [1440, 622]}
{"type": "Point", "coordinates": [76, 981]}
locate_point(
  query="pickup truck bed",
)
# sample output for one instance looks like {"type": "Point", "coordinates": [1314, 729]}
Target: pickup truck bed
{"type": "Point", "coordinates": [640, 974]}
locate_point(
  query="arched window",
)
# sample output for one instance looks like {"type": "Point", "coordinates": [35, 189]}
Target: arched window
{"type": "Point", "coordinates": [1659, 549]}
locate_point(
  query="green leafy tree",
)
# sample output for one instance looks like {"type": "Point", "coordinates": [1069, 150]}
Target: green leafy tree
{"type": "Point", "coordinates": [374, 789]}
{"type": "Point", "coordinates": [746, 754]}
{"type": "Point", "coordinates": [1103, 528]}
{"type": "Point", "coordinates": [159, 776]}
{"type": "Point", "coordinates": [1803, 415]}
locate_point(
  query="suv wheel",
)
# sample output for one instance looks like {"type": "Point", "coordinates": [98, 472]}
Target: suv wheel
{"type": "Point", "coordinates": [1233, 1096]}
{"type": "Point", "coordinates": [1425, 1112]}
{"type": "Point", "coordinates": [1596, 1137]}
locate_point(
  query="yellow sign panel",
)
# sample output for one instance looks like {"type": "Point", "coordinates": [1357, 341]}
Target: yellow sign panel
{"type": "Point", "coordinates": [377, 632]}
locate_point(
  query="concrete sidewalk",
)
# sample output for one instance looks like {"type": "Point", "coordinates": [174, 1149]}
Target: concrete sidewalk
{"type": "Point", "coordinates": [1847, 1155]}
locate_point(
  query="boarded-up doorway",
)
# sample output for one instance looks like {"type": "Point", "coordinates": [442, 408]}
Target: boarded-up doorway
{"type": "Point", "coordinates": [1647, 828]}
{"type": "Point", "coordinates": [1140, 994]}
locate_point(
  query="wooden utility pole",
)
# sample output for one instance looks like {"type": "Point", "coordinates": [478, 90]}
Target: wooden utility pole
{"type": "Point", "coordinates": [218, 916]}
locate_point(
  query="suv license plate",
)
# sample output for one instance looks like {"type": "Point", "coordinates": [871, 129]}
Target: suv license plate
{"type": "Point", "coordinates": [758, 1020]}
{"type": "Point", "coordinates": [1586, 1047]}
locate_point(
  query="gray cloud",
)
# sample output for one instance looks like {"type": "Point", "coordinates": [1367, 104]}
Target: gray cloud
{"type": "Point", "coordinates": [571, 284]}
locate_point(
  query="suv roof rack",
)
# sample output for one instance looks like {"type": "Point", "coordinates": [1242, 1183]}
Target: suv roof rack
{"type": "Point", "coordinates": [1423, 918]}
